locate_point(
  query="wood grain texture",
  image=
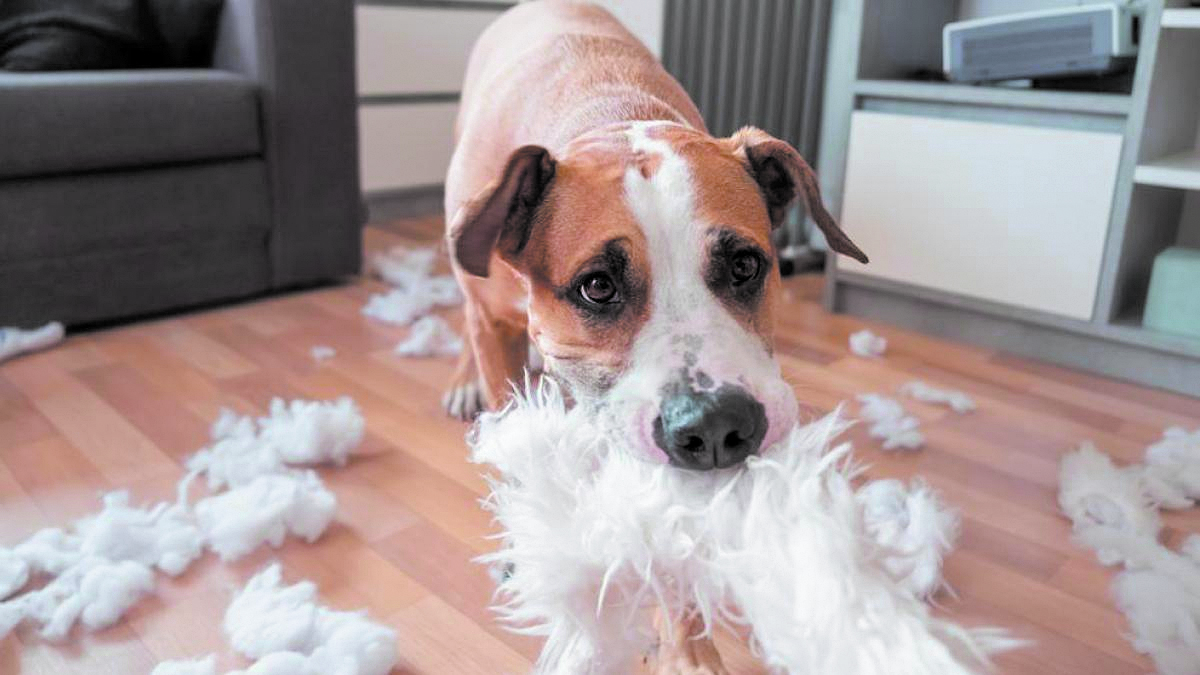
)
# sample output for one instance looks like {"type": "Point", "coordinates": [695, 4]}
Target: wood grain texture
{"type": "Point", "coordinates": [125, 406]}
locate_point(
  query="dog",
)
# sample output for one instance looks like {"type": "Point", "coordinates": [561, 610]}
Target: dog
{"type": "Point", "coordinates": [591, 212]}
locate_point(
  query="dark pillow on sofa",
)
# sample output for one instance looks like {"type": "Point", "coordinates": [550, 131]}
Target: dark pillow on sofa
{"type": "Point", "coordinates": [186, 30]}
{"type": "Point", "coordinates": [106, 34]}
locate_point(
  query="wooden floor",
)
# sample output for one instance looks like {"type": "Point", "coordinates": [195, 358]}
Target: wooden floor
{"type": "Point", "coordinates": [123, 408]}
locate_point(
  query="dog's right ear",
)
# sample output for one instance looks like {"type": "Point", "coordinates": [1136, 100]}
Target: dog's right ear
{"type": "Point", "coordinates": [500, 217]}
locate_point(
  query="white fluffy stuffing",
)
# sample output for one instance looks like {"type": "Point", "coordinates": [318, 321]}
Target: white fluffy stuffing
{"type": "Point", "coordinates": [1111, 509]}
{"type": "Point", "coordinates": [890, 423]}
{"type": "Point", "coordinates": [14, 573]}
{"type": "Point", "coordinates": [430, 336]}
{"type": "Point", "coordinates": [323, 352]}
{"type": "Point", "coordinates": [290, 634]}
{"type": "Point", "coordinates": [16, 341]}
{"type": "Point", "coordinates": [416, 291]}
{"type": "Point", "coordinates": [105, 562]}
{"type": "Point", "coordinates": [298, 432]}
{"type": "Point", "coordinates": [265, 510]}
{"type": "Point", "coordinates": [957, 401]}
{"type": "Point", "coordinates": [399, 266]}
{"type": "Point", "coordinates": [1171, 474]}
{"type": "Point", "coordinates": [102, 567]}
{"type": "Point", "coordinates": [867, 344]}
{"type": "Point", "coordinates": [912, 529]}
{"type": "Point", "coordinates": [593, 535]}
{"type": "Point", "coordinates": [1097, 495]}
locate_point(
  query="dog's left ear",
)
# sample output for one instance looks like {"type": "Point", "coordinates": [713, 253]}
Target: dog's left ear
{"type": "Point", "coordinates": [782, 175]}
{"type": "Point", "coordinates": [500, 216]}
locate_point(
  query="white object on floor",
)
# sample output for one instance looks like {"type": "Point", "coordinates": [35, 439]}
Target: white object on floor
{"type": "Point", "coordinates": [400, 266]}
{"type": "Point", "coordinates": [105, 562]}
{"type": "Point", "coordinates": [1172, 469]}
{"type": "Point", "coordinates": [204, 666]}
{"type": "Point", "coordinates": [16, 341]}
{"type": "Point", "coordinates": [323, 352]}
{"type": "Point", "coordinates": [913, 530]}
{"type": "Point", "coordinates": [1112, 512]}
{"type": "Point", "coordinates": [416, 291]}
{"type": "Point", "coordinates": [297, 432]}
{"type": "Point", "coordinates": [14, 573]}
{"type": "Point", "coordinates": [957, 401]}
{"type": "Point", "coordinates": [593, 533]}
{"type": "Point", "coordinates": [867, 344]}
{"type": "Point", "coordinates": [890, 423]}
{"type": "Point", "coordinates": [1096, 494]}
{"type": "Point", "coordinates": [265, 510]}
{"type": "Point", "coordinates": [290, 634]}
{"type": "Point", "coordinates": [430, 336]}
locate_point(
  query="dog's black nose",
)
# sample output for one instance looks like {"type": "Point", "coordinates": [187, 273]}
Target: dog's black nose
{"type": "Point", "coordinates": [710, 430]}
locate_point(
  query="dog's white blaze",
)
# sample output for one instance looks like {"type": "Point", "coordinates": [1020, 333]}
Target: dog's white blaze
{"type": "Point", "coordinates": [685, 317]}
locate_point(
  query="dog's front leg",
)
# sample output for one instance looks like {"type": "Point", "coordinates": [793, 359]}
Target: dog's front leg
{"type": "Point", "coordinates": [681, 650]}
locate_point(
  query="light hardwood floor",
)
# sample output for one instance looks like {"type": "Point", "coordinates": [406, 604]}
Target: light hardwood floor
{"type": "Point", "coordinates": [124, 407]}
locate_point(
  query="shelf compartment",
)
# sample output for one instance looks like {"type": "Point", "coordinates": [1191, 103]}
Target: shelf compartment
{"type": "Point", "coordinates": [1181, 170]}
{"type": "Point", "coordinates": [1181, 18]}
{"type": "Point", "coordinates": [1003, 97]}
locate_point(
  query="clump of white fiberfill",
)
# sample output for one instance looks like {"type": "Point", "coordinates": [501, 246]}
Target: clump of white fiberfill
{"type": "Point", "coordinates": [101, 567]}
{"type": "Point", "coordinates": [1171, 472]}
{"type": "Point", "coordinates": [957, 401]}
{"type": "Point", "coordinates": [105, 562]}
{"type": "Point", "coordinates": [265, 510]}
{"type": "Point", "coordinates": [430, 336]}
{"type": "Point", "coordinates": [1112, 512]}
{"type": "Point", "coordinates": [416, 291]}
{"type": "Point", "coordinates": [298, 432]}
{"type": "Point", "coordinates": [912, 529]}
{"type": "Point", "coordinates": [16, 341]}
{"type": "Point", "coordinates": [267, 619]}
{"type": "Point", "coordinates": [1101, 498]}
{"type": "Point", "coordinates": [867, 344]}
{"type": "Point", "coordinates": [889, 422]}
{"type": "Point", "coordinates": [592, 534]}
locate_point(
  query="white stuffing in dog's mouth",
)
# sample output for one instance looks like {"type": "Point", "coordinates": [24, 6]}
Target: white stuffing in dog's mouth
{"type": "Point", "coordinates": [592, 536]}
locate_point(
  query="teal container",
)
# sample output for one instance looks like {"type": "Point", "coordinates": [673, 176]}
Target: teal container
{"type": "Point", "coordinates": [1173, 304]}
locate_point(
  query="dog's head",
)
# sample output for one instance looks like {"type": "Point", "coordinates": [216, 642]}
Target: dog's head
{"type": "Point", "coordinates": [646, 249]}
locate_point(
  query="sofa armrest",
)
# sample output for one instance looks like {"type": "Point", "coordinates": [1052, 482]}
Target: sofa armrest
{"type": "Point", "coordinates": [301, 53]}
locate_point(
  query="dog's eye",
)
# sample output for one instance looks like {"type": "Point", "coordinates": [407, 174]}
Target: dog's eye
{"type": "Point", "coordinates": [599, 289]}
{"type": "Point", "coordinates": [744, 267]}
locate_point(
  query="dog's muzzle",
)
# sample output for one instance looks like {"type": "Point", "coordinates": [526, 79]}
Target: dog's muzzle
{"type": "Point", "coordinates": [704, 430]}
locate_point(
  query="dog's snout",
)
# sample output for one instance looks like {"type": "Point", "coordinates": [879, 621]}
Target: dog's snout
{"type": "Point", "coordinates": [710, 430]}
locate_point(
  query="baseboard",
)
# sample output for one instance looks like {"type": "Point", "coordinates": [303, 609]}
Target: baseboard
{"type": "Point", "coordinates": [409, 202]}
{"type": "Point", "coordinates": [1094, 353]}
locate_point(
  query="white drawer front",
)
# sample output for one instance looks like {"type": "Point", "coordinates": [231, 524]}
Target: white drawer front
{"type": "Point", "coordinates": [405, 145]}
{"type": "Point", "coordinates": [407, 50]}
{"type": "Point", "coordinates": [1007, 213]}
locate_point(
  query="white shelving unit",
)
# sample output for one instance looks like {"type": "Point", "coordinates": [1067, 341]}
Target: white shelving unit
{"type": "Point", "coordinates": [882, 54]}
{"type": "Point", "coordinates": [1181, 170]}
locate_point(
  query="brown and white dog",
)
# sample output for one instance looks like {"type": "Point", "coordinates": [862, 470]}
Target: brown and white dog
{"type": "Point", "coordinates": [591, 212]}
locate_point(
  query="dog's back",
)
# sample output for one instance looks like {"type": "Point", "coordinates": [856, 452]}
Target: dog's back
{"type": "Point", "coordinates": [544, 73]}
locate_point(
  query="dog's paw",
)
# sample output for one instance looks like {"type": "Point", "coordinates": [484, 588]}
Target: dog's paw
{"type": "Point", "coordinates": [464, 401]}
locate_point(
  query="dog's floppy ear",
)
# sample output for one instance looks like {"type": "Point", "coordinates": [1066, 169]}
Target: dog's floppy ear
{"type": "Point", "coordinates": [500, 216]}
{"type": "Point", "coordinates": [782, 175]}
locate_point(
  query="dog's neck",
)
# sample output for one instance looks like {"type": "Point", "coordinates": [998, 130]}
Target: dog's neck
{"type": "Point", "coordinates": [613, 109]}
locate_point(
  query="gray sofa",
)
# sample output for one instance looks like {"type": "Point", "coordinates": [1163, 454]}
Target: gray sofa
{"type": "Point", "coordinates": [125, 193]}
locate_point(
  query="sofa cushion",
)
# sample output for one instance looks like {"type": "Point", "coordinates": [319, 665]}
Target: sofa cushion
{"type": "Point", "coordinates": [84, 121]}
